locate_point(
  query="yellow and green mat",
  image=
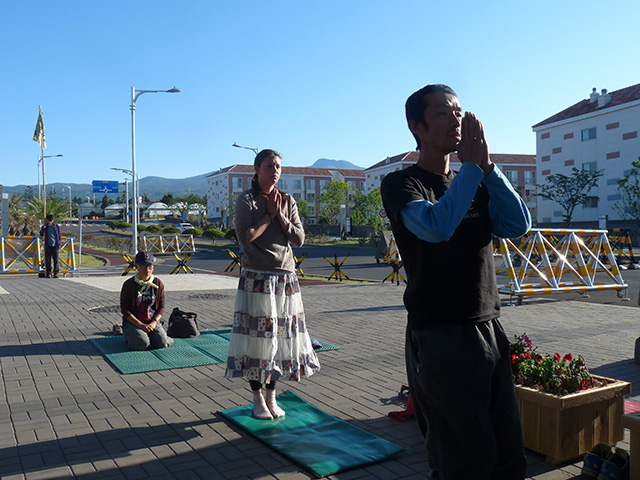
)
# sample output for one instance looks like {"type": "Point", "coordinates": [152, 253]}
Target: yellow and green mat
{"type": "Point", "coordinates": [210, 347]}
{"type": "Point", "coordinates": [312, 438]}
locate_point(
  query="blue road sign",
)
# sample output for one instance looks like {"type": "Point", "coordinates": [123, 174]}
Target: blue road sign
{"type": "Point", "coordinates": [105, 186]}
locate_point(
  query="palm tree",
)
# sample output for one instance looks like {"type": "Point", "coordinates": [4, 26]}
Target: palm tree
{"type": "Point", "coordinates": [56, 206]}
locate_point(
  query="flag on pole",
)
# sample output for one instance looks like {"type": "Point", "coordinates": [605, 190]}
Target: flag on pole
{"type": "Point", "coordinates": [38, 135]}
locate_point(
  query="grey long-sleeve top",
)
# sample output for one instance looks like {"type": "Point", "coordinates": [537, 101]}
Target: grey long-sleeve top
{"type": "Point", "coordinates": [271, 251]}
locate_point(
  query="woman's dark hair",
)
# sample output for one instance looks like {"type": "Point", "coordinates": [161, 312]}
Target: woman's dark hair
{"type": "Point", "coordinates": [417, 104]}
{"type": "Point", "coordinates": [261, 157]}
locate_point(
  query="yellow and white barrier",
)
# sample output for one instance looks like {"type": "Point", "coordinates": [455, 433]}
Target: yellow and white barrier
{"type": "Point", "coordinates": [25, 252]}
{"type": "Point", "coordinates": [67, 263]}
{"type": "Point", "coordinates": [168, 244]}
{"type": "Point", "coordinates": [551, 254]}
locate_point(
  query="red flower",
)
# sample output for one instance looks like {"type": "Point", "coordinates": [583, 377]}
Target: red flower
{"type": "Point", "coordinates": [557, 357]}
{"type": "Point", "coordinates": [567, 358]}
{"type": "Point", "coordinates": [514, 359]}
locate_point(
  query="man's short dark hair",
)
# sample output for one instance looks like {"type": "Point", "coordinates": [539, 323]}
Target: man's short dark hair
{"type": "Point", "coordinates": [417, 103]}
{"type": "Point", "coordinates": [50, 218]}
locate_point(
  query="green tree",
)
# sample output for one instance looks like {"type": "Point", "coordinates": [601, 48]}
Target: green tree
{"type": "Point", "coordinates": [334, 195]}
{"type": "Point", "coordinates": [228, 210]}
{"type": "Point", "coordinates": [58, 207]}
{"type": "Point", "coordinates": [185, 203]}
{"type": "Point", "coordinates": [28, 192]}
{"type": "Point", "coordinates": [569, 191]}
{"type": "Point", "coordinates": [304, 210]}
{"type": "Point", "coordinates": [366, 208]}
{"type": "Point", "coordinates": [213, 233]}
{"type": "Point", "coordinates": [17, 211]}
{"type": "Point", "coordinates": [628, 206]}
{"type": "Point", "coordinates": [106, 201]}
{"type": "Point", "coordinates": [167, 199]}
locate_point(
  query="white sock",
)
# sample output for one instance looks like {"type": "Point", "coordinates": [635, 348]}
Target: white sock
{"type": "Point", "coordinates": [275, 410]}
{"type": "Point", "coordinates": [260, 409]}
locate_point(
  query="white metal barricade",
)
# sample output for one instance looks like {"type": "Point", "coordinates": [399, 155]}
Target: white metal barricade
{"type": "Point", "coordinates": [168, 244]}
{"type": "Point", "coordinates": [552, 254]}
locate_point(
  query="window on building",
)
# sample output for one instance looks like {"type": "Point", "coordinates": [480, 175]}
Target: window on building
{"type": "Point", "coordinates": [588, 134]}
{"type": "Point", "coordinates": [296, 184]}
{"type": "Point", "coordinates": [311, 185]}
{"type": "Point", "coordinates": [282, 184]}
{"type": "Point", "coordinates": [297, 196]}
{"type": "Point", "coordinates": [512, 176]}
{"type": "Point", "coordinates": [311, 198]}
{"type": "Point", "coordinates": [323, 184]}
{"type": "Point", "coordinates": [529, 177]}
{"type": "Point", "coordinates": [590, 167]}
{"type": "Point", "coordinates": [592, 202]}
{"type": "Point", "coordinates": [362, 186]}
{"type": "Point", "coordinates": [236, 183]}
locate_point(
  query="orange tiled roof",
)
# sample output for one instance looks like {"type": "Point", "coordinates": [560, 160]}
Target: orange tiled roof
{"type": "Point", "coordinates": [309, 171]}
{"type": "Point", "coordinates": [499, 158]}
{"type": "Point", "coordinates": [618, 97]}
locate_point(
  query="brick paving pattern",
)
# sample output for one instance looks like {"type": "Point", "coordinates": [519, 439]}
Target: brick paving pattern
{"type": "Point", "coordinates": [65, 412]}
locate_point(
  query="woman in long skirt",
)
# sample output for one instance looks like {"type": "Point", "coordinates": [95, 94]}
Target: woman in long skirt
{"type": "Point", "coordinates": [269, 339]}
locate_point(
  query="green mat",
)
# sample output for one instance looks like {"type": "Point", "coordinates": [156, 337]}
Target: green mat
{"type": "Point", "coordinates": [312, 438]}
{"type": "Point", "coordinates": [212, 346]}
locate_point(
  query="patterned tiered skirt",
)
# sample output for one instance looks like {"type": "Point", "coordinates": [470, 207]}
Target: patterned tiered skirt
{"type": "Point", "coordinates": [269, 339]}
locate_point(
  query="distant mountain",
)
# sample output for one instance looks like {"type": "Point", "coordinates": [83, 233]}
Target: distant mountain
{"type": "Point", "coordinates": [154, 187]}
{"type": "Point", "coordinates": [327, 163]}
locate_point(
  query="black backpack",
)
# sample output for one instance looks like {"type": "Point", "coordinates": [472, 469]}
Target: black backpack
{"type": "Point", "coordinates": [183, 324]}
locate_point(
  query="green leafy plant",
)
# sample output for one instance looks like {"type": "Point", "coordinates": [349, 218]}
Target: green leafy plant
{"type": "Point", "coordinates": [196, 232]}
{"type": "Point", "coordinates": [548, 373]}
{"type": "Point", "coordinates": [231, 235]}
{"type": "Point", "coordinates": [213, 233]}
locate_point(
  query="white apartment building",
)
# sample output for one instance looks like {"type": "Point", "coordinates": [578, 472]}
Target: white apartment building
{"type": "Point", "coordinates": [300, 182]}
{"type": "Point", "coordinates": [519, 169]}
{"type": "Point", "coordinates": [598, 133]}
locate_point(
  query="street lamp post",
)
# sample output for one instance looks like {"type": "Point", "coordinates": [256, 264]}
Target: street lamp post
{"type": "Point", "coordinates": [134, 97]}
{"type": "Point", "coordinates": [67, 186]}
{"type": "Point", "coordinates": [41, 159]}
{"type": "Point", "coordinates": [126, 187]}
{"type": "Point", "coordinates": [255, 150]}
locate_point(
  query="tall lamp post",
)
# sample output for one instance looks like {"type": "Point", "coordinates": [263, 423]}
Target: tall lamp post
{"type": "Point", "coordinates": [255, 150]}
{"type": "Point", "coordinates": [134, 97]}
{"type": "Point", "coordinates": [41, 159]}
{"type": "Point", "coordinates": [67, 186]}
{"type": "Point", "coordinates": [126, 186]}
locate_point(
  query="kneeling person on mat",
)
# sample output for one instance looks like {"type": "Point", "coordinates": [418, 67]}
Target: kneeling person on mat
{"type": "Point", "coordinates": [142, 306]}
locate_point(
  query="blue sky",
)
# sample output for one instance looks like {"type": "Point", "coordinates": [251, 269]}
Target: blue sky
{"type": "Point", "coordinates": [310, 79]}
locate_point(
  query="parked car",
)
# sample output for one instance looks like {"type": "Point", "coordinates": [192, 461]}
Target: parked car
{"type": "Point", "coordinates": [184, 226]}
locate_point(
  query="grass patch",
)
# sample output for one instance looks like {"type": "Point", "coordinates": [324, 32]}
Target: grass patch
{"type": "Point", "coordinates": [91, 261]}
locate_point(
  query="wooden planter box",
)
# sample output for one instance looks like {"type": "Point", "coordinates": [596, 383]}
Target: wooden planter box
{"type": "Point", "coordinates": [563, 428]}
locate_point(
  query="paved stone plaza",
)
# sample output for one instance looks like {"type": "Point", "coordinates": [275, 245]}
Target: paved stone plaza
{"type": "Point", "coordinates": [66, 412]}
